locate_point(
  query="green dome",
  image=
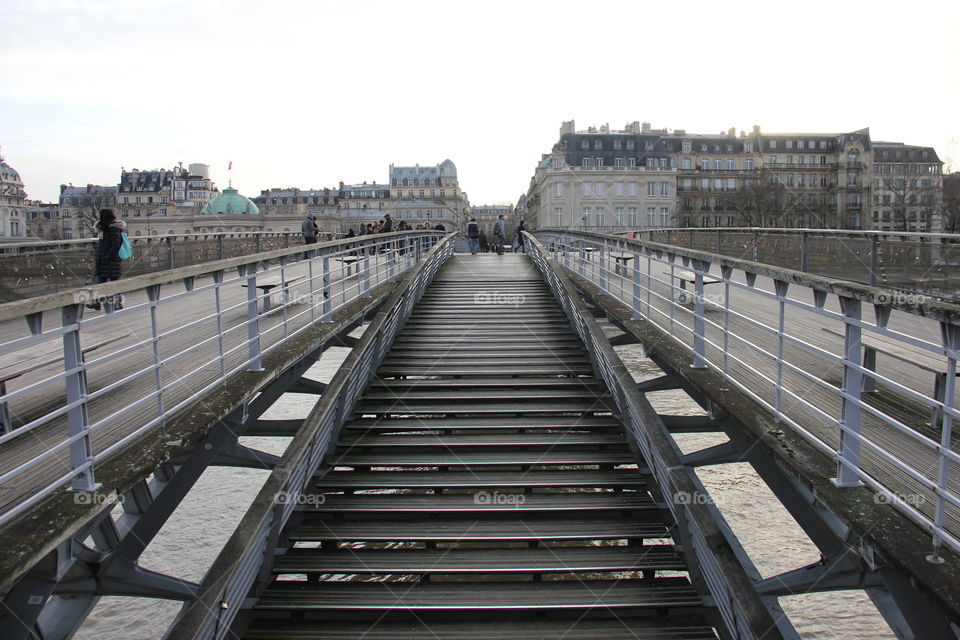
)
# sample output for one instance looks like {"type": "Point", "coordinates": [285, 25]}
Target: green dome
{"type": "Point", "coordinates": [230, 201]}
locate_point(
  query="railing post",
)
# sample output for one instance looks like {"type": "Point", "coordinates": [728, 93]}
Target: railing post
{"type": "Point", "coordinates": [391, 261]}
{"type": "Point", "coordinates": [874, 259]}
{"type": "Point", "coordinates": [804, 248]}
{"type": "Point", "coordinates": [601, 265]}
{"type": "Point", "coordinates": [950, 335]}
{"type": "Point", "coordinates": [220, 247]}
{"type": "Point", "coordinates": [756, 242]}
{"type": "Point", "coordinates": [171, 263]}
{"type": "Point", "coordinates": [327, 315]}
{"type": "Point", "coordinates": [781, 288]}
{"type": "Point", "coordinates": [253, 317]}
{"type": "Point", "coordinates": [366, 272]}
{"type": "Point", "coordinates": [699, 341]}
{"type": "Point", "coordinates": [848, 454]}
{"type": "Point", "coordinates": [78, 420]}
{"type": "Point", "coordinates": [636, 285]}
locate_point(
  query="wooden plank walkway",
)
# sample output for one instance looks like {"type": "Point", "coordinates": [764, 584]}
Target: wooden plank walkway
{"type": "Point", "coordinates": [482, 490]}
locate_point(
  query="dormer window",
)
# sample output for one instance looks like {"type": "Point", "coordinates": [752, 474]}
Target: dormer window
{"type": "Point", "coordinates": [617, 145]}
{"type": "Point", "coordinates": [629, 145]}
{"type": "Point", "coordinates": [597, 145]}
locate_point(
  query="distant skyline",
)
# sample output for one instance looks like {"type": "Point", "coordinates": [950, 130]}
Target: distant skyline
{"type": "Point", "coordinates": [308, 94]}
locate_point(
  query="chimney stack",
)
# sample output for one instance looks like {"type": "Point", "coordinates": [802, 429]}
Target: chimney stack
{"type": "Point", "coordinates": [645, 128]}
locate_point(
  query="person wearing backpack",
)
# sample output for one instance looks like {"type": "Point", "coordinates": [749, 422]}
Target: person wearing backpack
{"type": "Point", "coordinates": [108, 254]}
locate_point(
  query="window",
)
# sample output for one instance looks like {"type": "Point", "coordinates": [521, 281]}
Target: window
{"type": "Point", "coordinates": [618, 189]}
{"type": "Point", "coordinates": [618, 162]}
{"type": "Point", "coordinates": [597, 145]}
{"type": "Point", "coordinates": [716, 164]}
{"type": "Point", "coordinates": [558, 190]}
{"type": "Point", "coordinates": [585, 189]}
{"type": "Point", "coordinates": [585, 145]}
{"type": "Point", "coordinates": [617, 145]}
{"type": "Point", "coordinates": [686, 163]}
{"type": "Point", "coordinates": [600, 213]}
{"type": "Point", "coordinates": [704, 165]}
{"type": "Point", "coordinates": [686, 147]}
{"type": "Point", "coordinates": [618, 216]}
{"type": "Point", "coordinates": [631, 188]}
{"type": "Point", "coordinates": [718, 184]}
{"type": "Point", "coordinates": [773, 159]}
{"type": "Point", "coordinates": [585, 218]}
{"type": "Point", "coordinates": [586, 162]}
{"type": "Point", "coordinates": [789, 144]}
{"type": "Point", "coordinates": [601, 189]}
{"type": "Point", "coordinates": [731, 164]}
{"type": "Point", "coordinates": [632, 216]}
{"type": "Point", "coordinates": [664, 216]}
{"type": "Point", "coordinates": [557, 217]}
{"type": "Point", "coordinates": [664, 188]}
{"type": "Point", "coordinates": [772, 145]}
{"type": "Point", "coordinates": [558, 162]}
{"type": "Point", "coordinates": [631, 162]}
{"type": "Point", "coordinates": [851, 179]}
{"type": "Point", "coordinates": [651, 216]}
{"type": "Point", "coordinates": [748, 165]}
{"type": "Point", "coordinates": [651, 188]}
{"type": "Point", "coordinates": [731, 184]}
{"type": "Point", "coordinates": [748, 147]}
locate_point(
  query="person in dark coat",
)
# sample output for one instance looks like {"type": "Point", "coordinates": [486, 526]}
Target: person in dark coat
{"type": "Point", "coordinates": [108, 253]}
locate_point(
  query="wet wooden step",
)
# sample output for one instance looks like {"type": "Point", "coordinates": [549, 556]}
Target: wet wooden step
{"type": "Point", "coordinates": [476, 440]}
{"type": "Point", "coordinates": [622, 627]}
{"type": "Point", "coordinates": [351, 480]}
{"type": "Point", "coordinates": [590, 385]}
{"type": "Point", "coordinates": [473, 458]}
{"type": "Point", "coordinates": [487, 596]}
{"type": "Point", "coordinates": [529, 423]}
{"type": "Point", "coordinates": [500, 396]}
{"type": "Point", "coordinates": [479, 501]}
{"type": "Point", "coordinates": [454, 368]}
{"type": "Point", "coordinates": [639, 526]}
{"type": "Point", "coordinates": [461, 407]}
{"type": "Point", "coordinates": [519, 560]}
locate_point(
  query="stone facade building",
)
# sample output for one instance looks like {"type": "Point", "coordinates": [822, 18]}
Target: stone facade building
{"type": "Point", "coordinates": [13, 203]}
{"type": "Point", "coordinates": [640, 177]}
{"type": "Point", "coordinates": [80, 209]}
{"type": "Point", "coordinates": [907, 188]}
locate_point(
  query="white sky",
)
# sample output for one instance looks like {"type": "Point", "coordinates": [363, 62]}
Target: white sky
{"type": "Point", "coordinates": [309, 93]}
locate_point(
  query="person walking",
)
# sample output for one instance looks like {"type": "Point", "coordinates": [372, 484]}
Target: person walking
{"type": "Point", "coordinates": [498, 231]}
{"type": "Point", "coordinates": [108, 255]}
{"type": "Point", "coordinates": [520, 230]}
{"type": "Point", "coordinates": [387, 224]}
{"type": "Point", "coordinates": [309, 229]}
{"type": "Point", "coordinates": [473, 236]}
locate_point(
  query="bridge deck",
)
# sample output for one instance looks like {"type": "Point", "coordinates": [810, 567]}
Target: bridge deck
{"type": "Point", "coordinates": [482, 474]}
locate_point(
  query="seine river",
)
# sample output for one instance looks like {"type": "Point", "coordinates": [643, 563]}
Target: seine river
{"type": "Point", "coordinates": [189, 542]}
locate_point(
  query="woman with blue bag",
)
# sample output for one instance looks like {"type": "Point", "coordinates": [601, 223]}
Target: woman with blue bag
{"type": "Point", "coordinates": [108, 254]}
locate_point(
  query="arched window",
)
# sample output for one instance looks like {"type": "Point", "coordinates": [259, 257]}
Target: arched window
{"type": "Point", "coordinates": [170, 232]}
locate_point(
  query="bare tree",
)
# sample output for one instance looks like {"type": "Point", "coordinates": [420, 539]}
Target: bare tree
{"type": "Point", "coordinates": [761, 201]}
{"type": "Point", "coordinates": [90, 203]}
{"type": "Point", "coordinates": [913, 204]}
{"type": "Point", "coordinates": [950, 201]}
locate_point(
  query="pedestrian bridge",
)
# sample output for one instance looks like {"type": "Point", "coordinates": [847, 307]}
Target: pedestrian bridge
{"type": "Point", "coordinates": [483, 464]}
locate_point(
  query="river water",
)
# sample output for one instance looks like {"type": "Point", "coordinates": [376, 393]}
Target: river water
{"type": "Point", "coordinates": [193, 536]}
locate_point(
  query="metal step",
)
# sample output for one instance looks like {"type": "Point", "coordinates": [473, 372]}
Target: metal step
{"type": "Point", "coordinates": [478, 502]}
{"type": "Point", "coordinates": [518, 560]}
{"type": "Point", "coordinates": [398, 367]}
{"type": "Point", "coordinates": [475, 458]}
{"type": "Point", "coordinates": [487, 596]}
{"type": "Point", "coordinates": [439, 405]}
{"type": "Point", "coordinates": [621, 627]}
{"type": "Point", "coordinates": [589, 385]}
{"type": "Point", "coordinates": [532, 423]}
{"type": "Point", "coordinates": [641, 525]}
{"type": "Point", "coordinates": [485, 440]}
{"type": "Point", "coordinates": [351, 480]}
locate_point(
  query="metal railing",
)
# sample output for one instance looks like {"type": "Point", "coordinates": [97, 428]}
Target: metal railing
{"type": "Point", "coordinates": [741, 608]}
{"type": "Point", "coordinates": [904, 260]}
{"type": "Point", "coordinates": [87, 384]}
{"type": "Point", "coordinates": [805, 350]}
{"type": "Point", "coordinates": [247, 558]}
{"type": "Point", "coordinates": [35, 268]}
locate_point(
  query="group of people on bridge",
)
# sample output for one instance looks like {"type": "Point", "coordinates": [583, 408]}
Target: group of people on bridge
{"type": "Point", "coordinates": [477, 238]}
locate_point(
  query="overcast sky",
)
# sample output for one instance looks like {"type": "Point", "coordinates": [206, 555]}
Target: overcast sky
{"type": "Point", "coordinates": [308, 94]}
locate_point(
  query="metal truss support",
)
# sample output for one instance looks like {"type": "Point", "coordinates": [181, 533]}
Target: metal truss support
{"type": "Point", "coordinates": [724, 453]}
{"type": "Point", "coordinates": [663, 383]}
{"type": "Point", "coordinates": [238, 455]}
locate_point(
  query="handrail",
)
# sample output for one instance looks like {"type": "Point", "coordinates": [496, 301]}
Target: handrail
{"type": "Point", "coordinates": [710, 555]}
{"type": "Point", "coordinates": [163, 362]}
{"type": "Point", "coordinates": [755, 337]}
{"type": "Point", "coordinates": [247, 556]}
